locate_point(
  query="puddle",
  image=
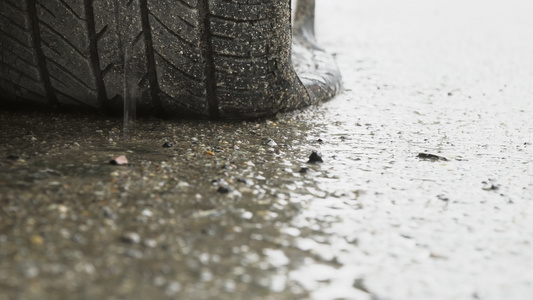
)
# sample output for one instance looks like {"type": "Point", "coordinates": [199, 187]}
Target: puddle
{"type": "Point", "coordinates": [389, 225]}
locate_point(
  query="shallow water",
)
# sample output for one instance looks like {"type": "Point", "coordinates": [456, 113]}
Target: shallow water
{"type": "Point", "coordinates": [232, 210]}
{"type": "Point", "coordinates": [438, 77]}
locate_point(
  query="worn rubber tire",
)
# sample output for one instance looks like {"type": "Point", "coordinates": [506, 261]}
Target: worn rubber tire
{"type": "Point", "coordinates": [194, 58]}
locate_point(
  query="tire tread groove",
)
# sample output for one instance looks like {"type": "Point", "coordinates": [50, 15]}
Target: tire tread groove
{"type": "Point", "coordinates": [41, 58]}
{"type": "Point", "coordinates": [208, 55]}
{"type": "Point", "coordinates": [152, 72]}
{"type": "Point", "coordinates": [93, 53]}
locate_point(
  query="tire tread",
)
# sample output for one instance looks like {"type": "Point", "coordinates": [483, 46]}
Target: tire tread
{"type": "Point", "coordinates": [210, 58]}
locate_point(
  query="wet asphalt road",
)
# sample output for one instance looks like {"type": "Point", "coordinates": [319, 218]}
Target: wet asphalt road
{"type": "Point", "coordinates": [234, 211]}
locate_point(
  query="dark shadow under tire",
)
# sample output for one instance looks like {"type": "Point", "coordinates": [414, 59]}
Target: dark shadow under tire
{"type": "Point", "coordinates": [192, 58]}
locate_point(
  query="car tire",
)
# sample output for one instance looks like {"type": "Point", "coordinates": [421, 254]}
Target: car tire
{"type": "Point", "coordinates": [185, 58]}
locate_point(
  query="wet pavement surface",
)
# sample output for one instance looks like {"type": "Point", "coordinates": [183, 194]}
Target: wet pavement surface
{"type": "Point", "coordinates": [424, 191]}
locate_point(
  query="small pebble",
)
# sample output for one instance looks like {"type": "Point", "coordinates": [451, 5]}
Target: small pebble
{"type": "Point", "coordinates": [134, 253]}
{"type": "Point", "coordinates": [108, 213]}
{"type": "Point", "coordinates": [224, 190]}
{"type": "Point", "coordinates": [183, 184]}
{"type": "Point", "coordinates": [443, 197]}
{"type": "Point", "coordinates": [146, 212]}
{"type": "Point", "coordinates": [315, 158]}
{"type": "Point", "coordinates": [37, 240]}
{"type": "Point", "coordinates": [130, 237]}
{"type": "Point", "coordinates": [168, 145]}
{"type": "Point", "coordinates": [159, 281]}
{"type": "Point", "coordinates": [31, 271]}
{"type": "Point", "coordinates": [150, 243]}
{"type": "Point", "coordinates": [173, 288]}
{"type": "Point", "coordinates": [431, 157]}
{"type": "Point", "coordinates": [271, 143]}
{"type": "Point", "coordinates": [360, 285]}
{"type": "Point", "coordinates": [490, 187]}
{"type": "Point", "coordinates": [119, 160]}
{"type": "Point", "coordinates": [243, 180]}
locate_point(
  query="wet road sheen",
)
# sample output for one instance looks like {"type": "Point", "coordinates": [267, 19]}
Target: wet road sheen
{"type": "Point", "coordinates": [233, 210]}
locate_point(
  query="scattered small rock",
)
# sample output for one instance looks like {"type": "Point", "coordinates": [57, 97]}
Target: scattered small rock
{"type": "Point", "coordinates": [490, 186]}
{"type": "Point", "coordinates": [119, 160]}
{"type": "Point", "coordinates": [168, 145]}
{"type": "Point", "coordinates": [30, 271]}
{"type": "Point", "coordinates": [303, 170]}
{"type": "Point", "coordinates": [224, 190]}
{"type": "Point", "coordinates": [150, 243]}
{"type": "Point", "coordinates": [37, 240]}
{"type": "Point", "coordinates": [494, 187]}
{"type": "Point", "coordinates": [218, 149]}
{"type": "Point", "coordinates": [173, 288]}
{"type": "Point", "coordinates": [360, 285]}
{"type": "Point", "coordinates": [443, 198]}
{"type": "Point", "coordinates": [13, 157]}
{"type": "Point", "coordinates": [432, 157]}
{"type": "Point", "coordinates": [147, 213]}
{"type": "Point", "coordinates": [270, 142]}
{"type": "Point", "coordinates": [130, 237]}
{"type": "Point", "coordinates": [108, 213]}
{"type": "Point", "coordinates": [315, 158]}
{"type": "Point", "coordinates": [159, 281]}
{"type": "Point", "coordinates": [183, 184]}
{"type": "Point", "coordinates": [134, 253]}
{"type": "Point", "coordinates": [245, 181]}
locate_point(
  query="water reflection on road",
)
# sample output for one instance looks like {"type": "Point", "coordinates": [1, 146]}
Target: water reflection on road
{"type": "Point", "coordinates": [433, 78]}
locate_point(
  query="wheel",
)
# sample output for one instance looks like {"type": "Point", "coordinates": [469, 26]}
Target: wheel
{"type": "Point", "coordinates": [193, 58]}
